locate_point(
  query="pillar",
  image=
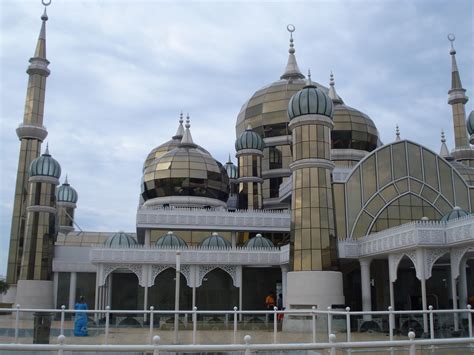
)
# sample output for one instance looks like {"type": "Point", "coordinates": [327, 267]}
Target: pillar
{"type": "Point", "coordinates": [463, 287]}
{"type": "Point", "coordinates": [72, 290]}
{"type": "Point", "coordinates": [365, 286]}
{"type": "Point", "coordinates": [240, 276]}
{"type": "Point", "coordinates": [421, 275]}
{"type": "Point", "coordinates": [96, 294]}
{"type": "Point", "coordinates": [55, 289]}
{"type": "Point", "coordinates": [454, 292]}
{"type": "Point", "coordinates": [147, 238]}
{"type": "Point", "coordinates": [109, 288]}
{"type": "Point", "coordinates": [392, 277]}
{"type": "Point", "coordinates": [233, 235]}
{"type": "Point", "coordinates": [284, 283]}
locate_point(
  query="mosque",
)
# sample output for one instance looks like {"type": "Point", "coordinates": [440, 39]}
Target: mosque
{"type": "Point", "coordinates": [317, 209]}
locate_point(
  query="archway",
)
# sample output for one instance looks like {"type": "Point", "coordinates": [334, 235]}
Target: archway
{"type": "Point", "coordinates": [162, 294]}
{"type": "Point", "coordinates": [217, 291]}
{"type": "Point", "coordinates": [126, 292]}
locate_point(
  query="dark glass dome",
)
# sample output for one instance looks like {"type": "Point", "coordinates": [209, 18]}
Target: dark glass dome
{"type": "Point", "coordinates": [45, 165]}
{"type": "Point", "coordinates": [215, 241]}
{"type": "Point", "coordinates": [456, 213]}
{"type": "Point", "coordinates": [120, 240]}
{"type": "Point", "coordinates": [185, 171]}
{"type": "Point", "coordinates": [170, 240]}
{"type": "Point", "coordinates": [66, 193]}
{"type": "Point", "coordinates": [353, 130]}
{"type": "Point", "coordinates": [259, 242]}
{"type": "Point", "coordinates": [249, 139]}
{"type": "Point", "coordinates": [470, 123]}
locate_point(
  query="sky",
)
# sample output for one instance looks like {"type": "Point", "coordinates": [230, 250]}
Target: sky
{"type": "Point", "coordinates": [122, 71]}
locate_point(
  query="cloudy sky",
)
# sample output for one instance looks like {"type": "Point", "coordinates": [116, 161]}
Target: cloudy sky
{"type": "Point", "coordinates": [122, 71]}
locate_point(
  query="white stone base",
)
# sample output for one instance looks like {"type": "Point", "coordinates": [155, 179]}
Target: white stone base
{"type": "Point", "coordinates": [311, 288]}
{"type": "Point", "coordinates": [10, 296]}
{"type": "Point", "coordinates": [35, 294]}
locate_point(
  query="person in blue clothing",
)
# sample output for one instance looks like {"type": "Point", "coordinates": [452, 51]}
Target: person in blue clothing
{"type": "Point", "coordinates": [80, 323]}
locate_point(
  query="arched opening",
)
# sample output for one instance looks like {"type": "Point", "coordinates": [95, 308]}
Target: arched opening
{"type": "Point", "coordinates": [217, 291]}
{"type": "Point", "coordinates": [438, 286]}
{"type": "Point", "coordinates": [162, 294]}
{"type": "Point", "coordinates": [126, 292]}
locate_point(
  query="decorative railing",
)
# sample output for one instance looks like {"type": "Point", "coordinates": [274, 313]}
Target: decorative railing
{"type": "Point", "coordinates": [409, 236]}
{"type": "Point", "coordinates": [215, 219]}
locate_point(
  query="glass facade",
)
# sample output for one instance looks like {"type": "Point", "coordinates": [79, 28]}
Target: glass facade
{"type": "Point", "coordinates": [398, 183]}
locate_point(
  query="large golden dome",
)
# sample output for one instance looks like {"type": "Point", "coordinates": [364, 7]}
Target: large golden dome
{"type": "Point", "coordinates": [186, 175]}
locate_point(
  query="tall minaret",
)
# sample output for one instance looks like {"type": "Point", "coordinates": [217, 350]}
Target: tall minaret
{"type": "Point", "coordinates": [249, 146]}
{"type": "Point", "coordinates": [31, 134]}
{"type": "Point", "coordinates": [457, 99]}
{"type": "Point", "coordinates": [314, 279]}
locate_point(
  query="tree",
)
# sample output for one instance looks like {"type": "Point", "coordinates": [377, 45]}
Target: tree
{"type": "Point", "coordinates": [3, 287]}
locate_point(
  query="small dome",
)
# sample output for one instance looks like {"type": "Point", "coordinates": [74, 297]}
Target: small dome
{"type": "Point", "coordinates": [259, 242]}
{"type": "Point", "coordinates": [310, 100]}
{"type": "Point", "coordinates": [120, 240]}
{"type": "Point", "coordinates": [231, 169]}
{"type": "Point", "coordinates": [456, 213]}
{"type": "Point", "coordinates": [66, 193]}
{"type": "Point", "coordinates": [45, 165]}
{"type": "Point", "coordinates": [170, 240]}
{"type": "Point", "coordinates": [249, 140]}
{"type": "Point", "coordinates": [470, 123]}
{"type": "Point", "coordinates": [215, 241]}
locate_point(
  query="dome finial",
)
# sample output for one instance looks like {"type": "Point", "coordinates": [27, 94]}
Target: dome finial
{"type": "Point", "coordinates": [187, 139]}
{"type": "Point", "coordinates": [397, 133]}
{"type": "Point", "coordinates": [452, 38]}
{"type": "Point", "coordinates": [46, 152]}
{"type": "Point", "coordinates": [65, 181]}
{"type": "Point", "coordinates": [291, 71]}
{"type": "Point", "coordinates": [180, 131]}
{"type": "Point", "coordinates": [229, 161]}
{"type": "Point", "coordinates": [44, 17]}
{"type": "Point", "coordinates": [336, 99]}
{"type": "Point", "coordinates": [444, 151]}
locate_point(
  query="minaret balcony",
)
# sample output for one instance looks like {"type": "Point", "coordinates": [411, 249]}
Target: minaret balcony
{"type": "Point", "coordinates": [38, 66]}
{"type": "Point", "coordinates": [31, 132]}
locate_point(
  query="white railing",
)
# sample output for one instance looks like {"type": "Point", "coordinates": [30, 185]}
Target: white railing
{"type": "Point", "coordinates": [247, 347]}
{"type": "Point", "coordinates": [236, 314]}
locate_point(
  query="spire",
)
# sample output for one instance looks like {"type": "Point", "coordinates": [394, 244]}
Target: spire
{"type": "Point", "coordinates": [336, 99]}
{"type": "Point", "coordinates": [291, 71]}
{"type": "Point", "coordinates": [187, 139]}
{"type": "Point", "coordinates": [40, 51]}
{"type": "Point", "coordinates": [444, 152]}
{"type": "Point", "coordinates": [180, 131]}
{"type": "Point", "coordinates": [65, 181]}
{"type": "Point", "coordinates": [46, 152]}
{"type": "Point", "coordinates": [455, 78]}
{"type": "Point", "coordinates": [229, 161]}
{"type": "Point", "coordinates": [397, 133]}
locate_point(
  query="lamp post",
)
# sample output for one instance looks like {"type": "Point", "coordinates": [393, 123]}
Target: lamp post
{"type": "Point", "coordinates": [176, 296]}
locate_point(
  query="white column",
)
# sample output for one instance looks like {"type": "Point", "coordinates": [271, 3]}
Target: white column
{"type": "Point", "coordinates": [55, 289]}
{"type": "Point", "coordinates": [284, 283]}
{"type": "Point", "coordinates": [365, 285]}
{"type": "Point", "coordinates": [454, 292]}
{"type": "Point", "coordinates": [240, 275]}
{"type": "Point", "coordinates": [96, 301]}
{"type": "Point", "coordinates": [109, 293]}
{"type": "Point", "coordinates": [194, 296]}
{"type": "Point", "coordinates": [420, 272]}
{"type": "Point", "coordinates": [390, 282]}
{"type": "Point", "coordinates": [72, 290]}
{"type": "Point", "coordinates": [147, 238]}
{"type": "Point", "coordinates": [233, 239]}
{"type": "Point", "coordinates": [463, 287]}
{"type": "Point", "coordinates": [176, 296]}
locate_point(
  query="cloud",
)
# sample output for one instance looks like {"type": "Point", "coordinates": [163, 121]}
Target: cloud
{"type": "Point", "coordinates": [122, 71]}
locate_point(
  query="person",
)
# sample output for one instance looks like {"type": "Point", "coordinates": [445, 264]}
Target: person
{"type": "Point", "coordinates": [80, 323]}
{"type": "Point", "coordinates": [280, 307]}
{"type": "Point", "coordinates": [270, 303]}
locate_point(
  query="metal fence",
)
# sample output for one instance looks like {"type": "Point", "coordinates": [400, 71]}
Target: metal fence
{"type": "Point", "coordinates": [233, 322]}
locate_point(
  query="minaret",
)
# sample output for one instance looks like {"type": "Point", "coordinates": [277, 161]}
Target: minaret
{"type": "Point", "coordinates": [249, 146]}
{"type": "Point", "coordinates": [31, 134]}
{"type": "Point", "coordinates": [397, 133]}
{"type": "Point", "coordinates": [66, 200]}
{"type": "Point", "coordinates": [314, 279]}
{"type": "Point", "coordinates": [444, 151]}
{"type": "Point", "coordinates": [457, 99]}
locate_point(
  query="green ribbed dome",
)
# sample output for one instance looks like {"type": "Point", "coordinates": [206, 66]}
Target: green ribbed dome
{"type": "Point", "coordinates": [45, 165]}
{"type": "Point", "coordinates": [470, 123]}
{"type": "Point", "coordinates": [232, 171]}
{"type": "Point", "coordinates": [259, 242]}
{"type": "Point", "coordinates": [66, 193]}
{"type": "Point", "coordinates": [310, 100]}
{"type": "Point", "coordinates": [249, 140]}
{"type": "Point", "coordinates": [120, 240]}
{"type": "Point", "coordinates": [170, 240]}
{"type": "Point", "coordinates": [215, 241]}
{"type": "Point", "coordinates": [456, 213]}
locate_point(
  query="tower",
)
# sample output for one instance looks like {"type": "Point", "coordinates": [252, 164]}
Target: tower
{"type": "Point", "coordinates": [66, 199]}
{"type": "Point", "coordinates": [249, 146]}
{"type": "Point", "coordinates": [31, 134]}
{"type": "Point", "coordinates": [35, 285]}
{"type": "Point", "coordinates": [457, 99]}
{"type": "Point", "coordinates": [314, 279]}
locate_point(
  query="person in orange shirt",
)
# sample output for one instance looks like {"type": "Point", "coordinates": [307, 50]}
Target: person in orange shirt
{"type": "Point", "coordinates": [270, 303]}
